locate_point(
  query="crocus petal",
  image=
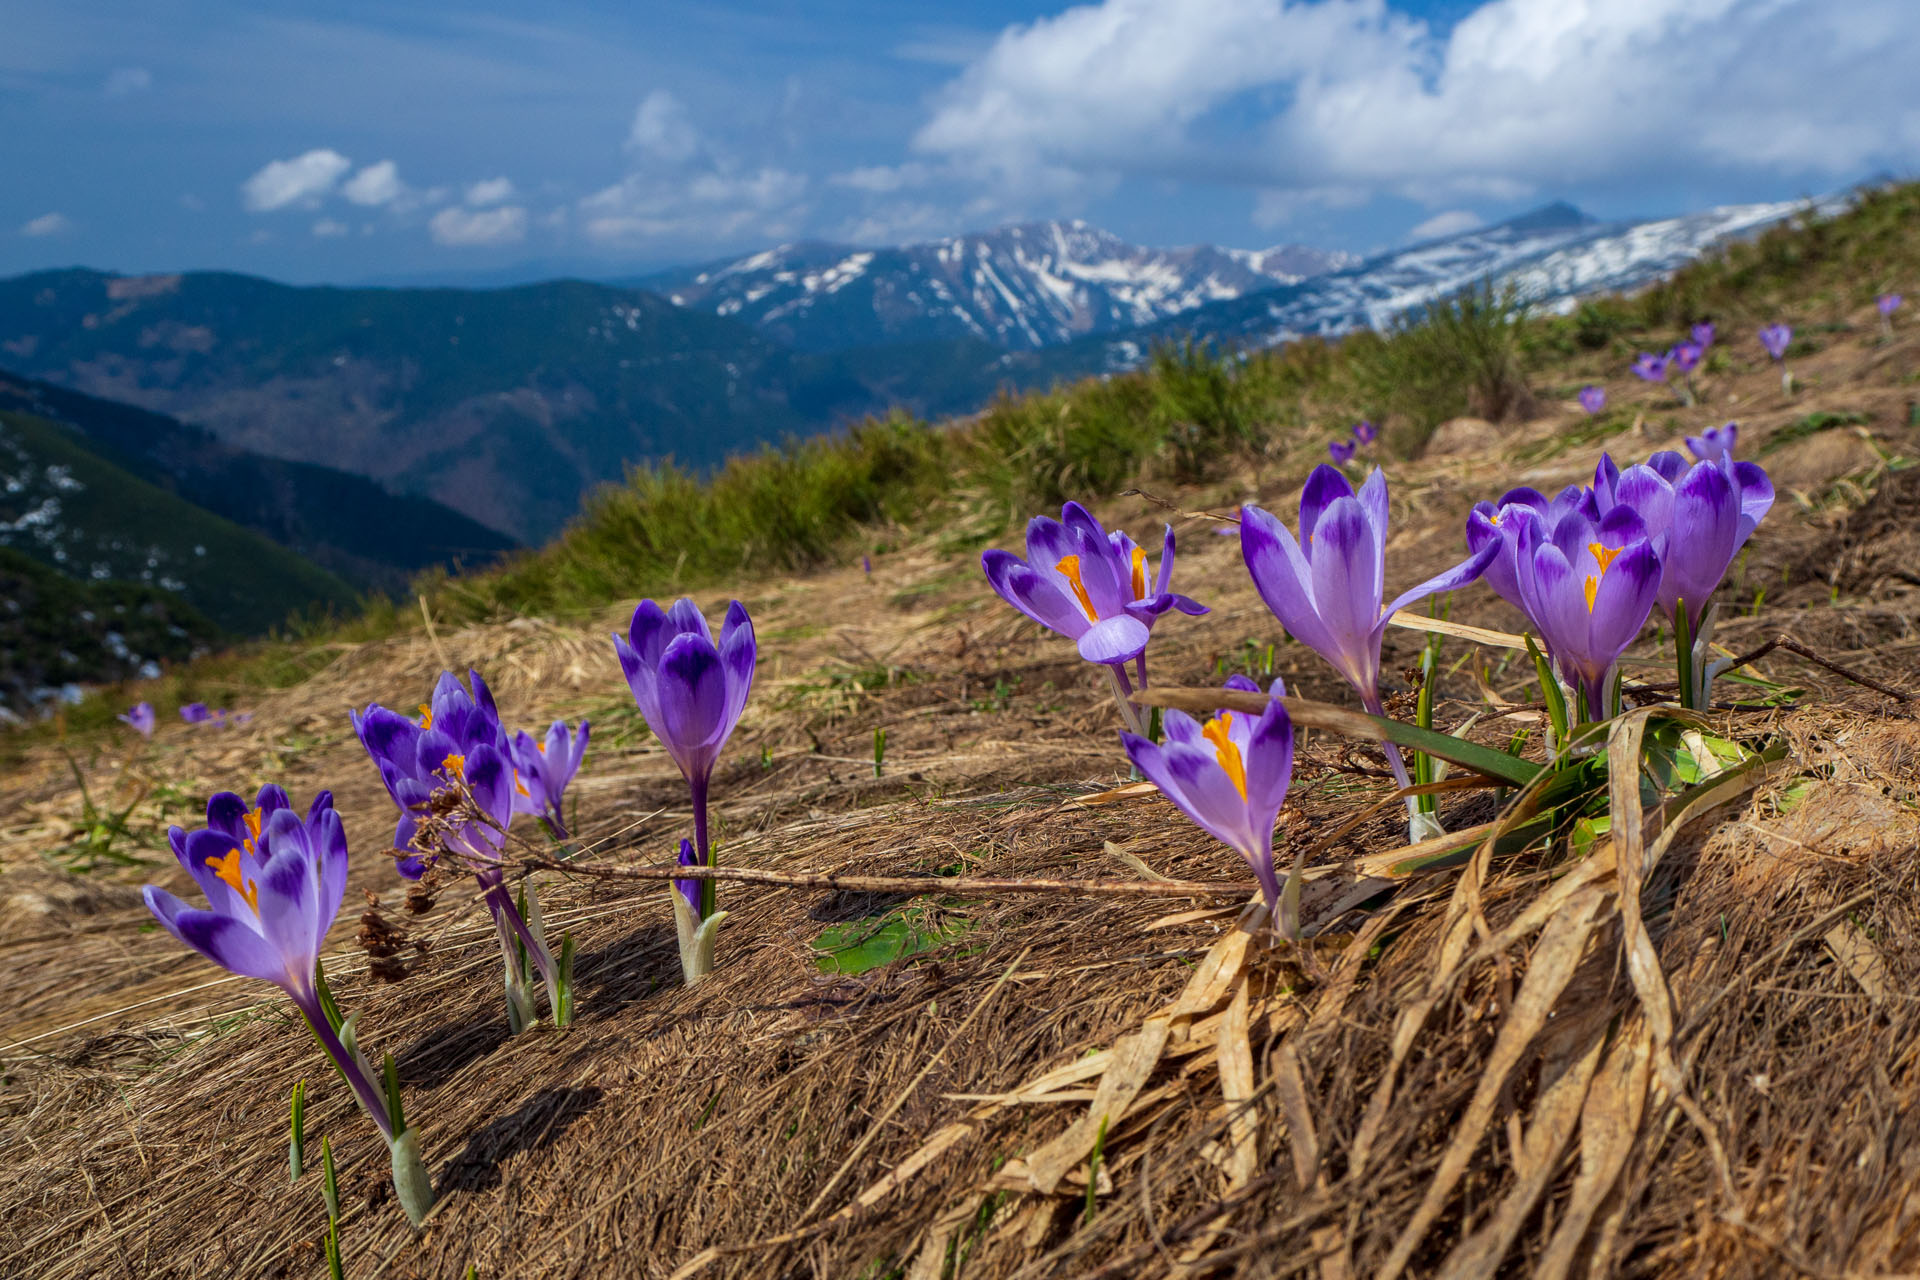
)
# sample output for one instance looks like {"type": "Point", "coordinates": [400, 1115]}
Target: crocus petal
{"type": "Point", "coordinates": [290, 907]}
{"type": "Point", "coordinates": [1622, 603]}
{"type": "Point", "coordinates": [1165, 577]}
{"type": "Point", "coordinates": [1373, 501]}
{"type": "Point", "coordinates": [1033, 593]}
{"type": "Point", "coordinates": [738, 651]}
{"type": "Point", "coordinates": [1282, 576]}
{"type": "Point", "coordinates": [1117, 639]}
{"type": "Point", "coordinates": [1450, 580]}
{"type": "Point", "coordinates": [693, 698]}
{"type": "Point", "coordinates": [1179, 726]}
{"type": "Point", "coordinates": [226, 813]}
{"type": "Point", "coordinates": [1324, 487]}
{"type": "Point", "coordinates": [1756, 496]}
{"type": "Point", "coordinates": [1347, 566]}
{"type": "Point", "coordinates": [687, 620]}
{"type": "Point", "coordinates": [228, 942]}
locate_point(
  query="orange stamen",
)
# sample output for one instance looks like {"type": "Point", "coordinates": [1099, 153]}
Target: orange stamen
{"type": "Point", "coordinates": [541, 747]}
{"type": "Point", "coordinates": [426, 716]}
{"type": "Point", "coordinates": [1603, 556]}
{"type": "Point", "coordinates": [1070, 566]}
{"type": "Point", "coordinates": [252, 842]}
{"type": "Point", "coordinates": [455, 765]}
{"type": "Point", "coordinates": [228, 869]}
{"type": "Point", "coordinates": [1226, 752]}
{"type": "Point", "coordinates": [520, 786]}
{"type": "Point", "coordinates": [1139, 573]}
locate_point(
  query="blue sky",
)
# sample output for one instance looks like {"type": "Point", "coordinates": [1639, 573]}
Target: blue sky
{"type": "Point", "coordinates": [349, 140]}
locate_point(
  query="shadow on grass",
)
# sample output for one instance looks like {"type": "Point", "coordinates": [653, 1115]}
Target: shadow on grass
{"type": "Point", "coordinates": [535, 1126]}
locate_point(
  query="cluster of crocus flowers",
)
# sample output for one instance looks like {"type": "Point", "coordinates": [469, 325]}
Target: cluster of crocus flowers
{"type": "Point", "coordinates": [1095, 587]}
{"type": "Point", "coordinates": [1589, 566]}
{"type": "Point", "coordinates": [1683, 357]}
{"type": "Point", "coordinates": [140, 717]}
{"type": "Point", "coordinates": [201, 713]}
{"type": "Point", "coordinates": [451, 772]}
{"type": "Point", "coordinates": [1230, 775]}
{"type": "Point", "coordinates": [273, 883]}
{"type": "Point", "coordinates": [1326, 586]}
{"type": "Point", "coordinates": [1593, 399]}
{"type": "Point", "coordinates": [1775, 339]}
{"type": "Point", "coordinates": [691, 692]}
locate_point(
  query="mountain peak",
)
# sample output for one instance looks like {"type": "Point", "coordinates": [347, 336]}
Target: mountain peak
{"type": "Point", "coordinates": [1557, 216]}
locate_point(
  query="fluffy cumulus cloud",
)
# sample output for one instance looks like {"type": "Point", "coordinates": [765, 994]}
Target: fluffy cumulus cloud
{"type": "Point", "coordinates": [47, 224]}
{"type": "Point", "coordinates": [490, 191]}
{"type": "Point", "coordinates": [682, 185]}
{"type": "Point", "coordinates": [1340, 101]}
{"type": "Point", "coordinates": [301, 181]}
{"type": "Point", "coordinates": [376, 185]}
{"type": "Point", "coordinates": [459, 228]}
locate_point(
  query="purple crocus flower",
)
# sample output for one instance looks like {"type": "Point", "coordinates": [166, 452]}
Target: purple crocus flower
{"type": "Point", "coordinates": [1229, 775]}
{"type": "Point", "coordinates": [196, 713]}
{"type": "Point", "coordinates": [691, 692]}
{"type": "Point", "coordinates": [1696, 517]}
{"type": "Point", "coordinates": [1715, 443]}
{"type": "Point", "coordinates": [457, 748]}
{"type": "Point", "coordinates": [140, 717]}
{"type": "Point", "coordinates": [1702, 334]}
{"type": "Point", "coordinates": [1888, 303]}
{"type": "Point", "coordinates": [1650, 367]}
{"type": "Point", "coordinates": [1593, 399]}
{"type": "Point", "coordinates": [1499, 524]}
{"type": "Point", "coordinates": [273, 884]}
{"type": "Point", "coordinates": [543, 768]}
{"type": "Point", "coordinates": [1587, 589]}
{"type": "Point", "coordinates": [1341, 451]}
{"type": "Point", "coordinates": [1093, 586]}
{"type": "Point", "coordinates": [1365, 432]}
{"type": "Point", "coordinates": [1775, 338]}
{"type": "Point", "coordinates": [866, 565]}
{"type": "Point", "coordinates": [1325, 588]}
{"type": "Point", "coordinates": [1686, 356]}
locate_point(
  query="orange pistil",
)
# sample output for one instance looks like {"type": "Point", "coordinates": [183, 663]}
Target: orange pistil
{"type": "Point", "coordinates": [426, 716]}
{"type": "Point", "coordinates": [1603, 556]}
{"type": "Point", "coordinates": [1226, 752]}
{"type": "Point", "coordinates": [1070, 566]}
{"type": "Point", "coordinates": [455, 765]}
{"type": "Point", "coordinates": [228, 869]}
{"type": "Point", "coordinates": [1139, 573]}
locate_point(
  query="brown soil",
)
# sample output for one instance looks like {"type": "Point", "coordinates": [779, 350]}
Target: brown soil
{"type": "Point", "coordinates": [1689, 1054]}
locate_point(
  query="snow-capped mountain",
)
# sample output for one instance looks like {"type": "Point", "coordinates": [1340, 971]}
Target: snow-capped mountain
{"type": "Point", "coordinates": [1024, 287]}
{"type": "Point", "coordinates": [1551, 256]}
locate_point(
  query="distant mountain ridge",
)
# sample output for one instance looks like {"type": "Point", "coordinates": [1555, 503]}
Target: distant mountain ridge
{"type": "Point", "coordinates": [1022, 287]}
{"type": "Point", "coordinates": [508, 405]}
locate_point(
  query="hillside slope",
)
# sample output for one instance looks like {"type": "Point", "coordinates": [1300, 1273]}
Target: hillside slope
{"type": "Point", "coordinates": [70, 509]}
{"type": "Point", "coordinates": [505, 405]}
{"type": "Point", "coordinates": [344, 523]}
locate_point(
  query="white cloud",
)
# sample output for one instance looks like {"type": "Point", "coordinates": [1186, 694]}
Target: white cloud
{"type": "Point", "coordinates": [124, 82]}
{"type": "Point", "coordinates": [466, 229]}
{"type": "Point", "coordinates": [328, 229]}
{"type": "Point", "coordinates": [375, 185]}
{"type": "Point", "coordinates": [491, 191]}
{"type": "Point", "coordinates": [47, 224]}
{"type": "Point", "coordinates": [1450, 223]}
{"type": "Point", "coordinates": [301, 180]}
{"type": "Point", "coordinates": [1316, 100]}
{"type": "Point", "coordinates": [682, 186]}
{"type": "Point", "coordinates": [663, 129]}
